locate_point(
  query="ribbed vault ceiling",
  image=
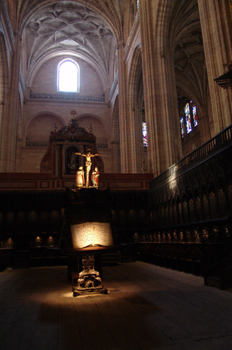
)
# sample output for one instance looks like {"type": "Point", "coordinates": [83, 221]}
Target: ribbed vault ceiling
{"type": "Point", "coordinates": [68, 27]}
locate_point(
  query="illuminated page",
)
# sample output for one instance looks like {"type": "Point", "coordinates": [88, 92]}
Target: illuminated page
{"type": "Point", "coordinates": [91, 234]}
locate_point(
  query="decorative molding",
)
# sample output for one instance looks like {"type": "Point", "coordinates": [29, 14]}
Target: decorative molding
{"type": "Point", "coordinates": [36, 144]}
{"type": "Point", "coordinates": [67, 97]}
{"type": "Point", "coordinates": [102, 145]}
{"type": "Point", "coordinates": [132, 33]}
{"type": "Point", "coordinates": [115, 82]}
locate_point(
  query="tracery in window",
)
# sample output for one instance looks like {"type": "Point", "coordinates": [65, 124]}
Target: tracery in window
{"type": "Point", "coordinates": [188, 121]}
{"type": "Point", "coordinates": [68, 76]}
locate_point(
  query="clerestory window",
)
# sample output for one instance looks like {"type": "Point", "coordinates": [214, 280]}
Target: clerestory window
{"type": "Point", "coordinates": [68, 76]}
{"type": "Point", "coordinates": [144, 131]}
{"type": "Point", "coordinates": [188, 119]}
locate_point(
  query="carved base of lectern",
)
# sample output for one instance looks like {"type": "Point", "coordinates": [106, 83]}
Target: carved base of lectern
{"type": "Point", "coordinates": [89, 280]}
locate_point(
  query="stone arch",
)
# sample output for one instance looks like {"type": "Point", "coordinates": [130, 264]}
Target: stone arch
{"type": "Point", "coordinates": [96, 125]}
{"type": "Point", "coordinates": [137, 112]}
{"type": "Point", "coordinates": [40, 125]}
{"type": "Point", "coordinates": [135, 68]}
{"type": "Point", "coordinates": [174, 13]}
{"type": "Point", "coordinates": [189, 67]}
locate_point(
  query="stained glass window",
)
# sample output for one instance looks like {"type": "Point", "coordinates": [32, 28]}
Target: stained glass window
{"type": "Point", "coordinates": [144, 130]}
{"type": "Point", "coordinates": [182, 126]}
{"type": "Point", "coordinates": [137, 3]}
{"type": "Point", "coordinates": [68, 76]}
{"type": "Point", "coordinates": [194, 110]}
{"type": "Point", "coordinates": [188, 118]}
{"type": "Point", "coordinates": [189, 121]}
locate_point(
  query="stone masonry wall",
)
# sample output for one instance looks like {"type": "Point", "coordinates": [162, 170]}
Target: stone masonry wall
{"type": "Point", "coordinates": [41, 115]}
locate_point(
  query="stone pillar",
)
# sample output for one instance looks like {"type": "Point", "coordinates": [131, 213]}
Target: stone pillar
{"type": "Point", "coordinates": [115, 157]}
{"type": "Point", "coordinates": [148, 67]}
{"type": "Point", "coordinates": [134, 118]}
{"type": "Point", "coordinates": [138, 140]}
{"type": "Point", "coordinates": [160, 97]}
{"type": "Point", "coordinates": [135, 147]}
{"type": "Point", "coordinates": [9, 137]}
{"type": "Point", "coordinates": [124, 127]}
{"type": "Point", "coordinates": [217, 39]}
{"type": "Point", "coordinates": [115, 143]}
{"type": "Point", "coordinates": [20, 139]}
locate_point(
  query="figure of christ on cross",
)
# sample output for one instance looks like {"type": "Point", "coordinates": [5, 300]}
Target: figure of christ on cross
{"type": "Point", "coordinates": [88, 163]}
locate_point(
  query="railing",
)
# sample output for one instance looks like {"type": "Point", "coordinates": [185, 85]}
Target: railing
{"type": "Point", "coordinates": [209, 148]}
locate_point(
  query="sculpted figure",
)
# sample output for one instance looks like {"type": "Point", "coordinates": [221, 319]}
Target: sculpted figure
{"type": "Point", "coordinates": [72, 162]}
{"type": "Point", "coordinates": [88, 163]}
{"type": "Point", "coordinates": [80, 177]}
{"type": "Point", "coordinates": [95, 177]}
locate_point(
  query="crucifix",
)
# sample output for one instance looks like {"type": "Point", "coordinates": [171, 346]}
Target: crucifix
{"type": "Point", "coordinates": [73, 113]}
{"type": "Point", "coordinates": [88, 163]}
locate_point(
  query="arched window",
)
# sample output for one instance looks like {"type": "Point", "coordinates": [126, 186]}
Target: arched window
{"type": "Point", "coordinates": [188, 118]}
{"type": "Point", "coordinates": [144, 131]}
{"type": "Point", "coordinates": [68, 76]}
{"type": "Point", "coordinates": [144, 128]}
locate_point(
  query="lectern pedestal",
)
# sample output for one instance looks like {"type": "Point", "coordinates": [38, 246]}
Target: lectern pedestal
{"type": "Point", "coordinates": [89, 280]}
{"type": "Point", "coordinates": [88, 231]}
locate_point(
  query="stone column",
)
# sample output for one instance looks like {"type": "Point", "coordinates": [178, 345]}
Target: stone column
{"type": "Point", "coordinates": [217, 41]}
{"type": "Point", "coordinates": [124, 127]}
{"type": "Point", "coordinates": [148, 67]}
{"type": "Point", "coordinates": [135, 147]}
{"type": "Point", "coordinates": [115, 156]}
{"type": "Point", "coordinates": [115, 143]}
{"type": "Point", "coordinates": [9, 137]}
{"type": "Point", "coordinates": [160, 97]}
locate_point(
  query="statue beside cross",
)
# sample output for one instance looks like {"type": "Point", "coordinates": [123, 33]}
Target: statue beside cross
{"type": "Point", "coordinates": [88, 163]}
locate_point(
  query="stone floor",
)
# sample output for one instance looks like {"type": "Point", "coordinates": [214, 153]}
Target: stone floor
{"type": "Point", "coordinates": [147, 307]}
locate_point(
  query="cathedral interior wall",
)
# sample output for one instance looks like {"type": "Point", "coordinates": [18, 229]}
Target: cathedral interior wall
{"type": "Point", "coordinates": [45, 80]}
{"type": "Point", "coordinates": [41, 115]}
